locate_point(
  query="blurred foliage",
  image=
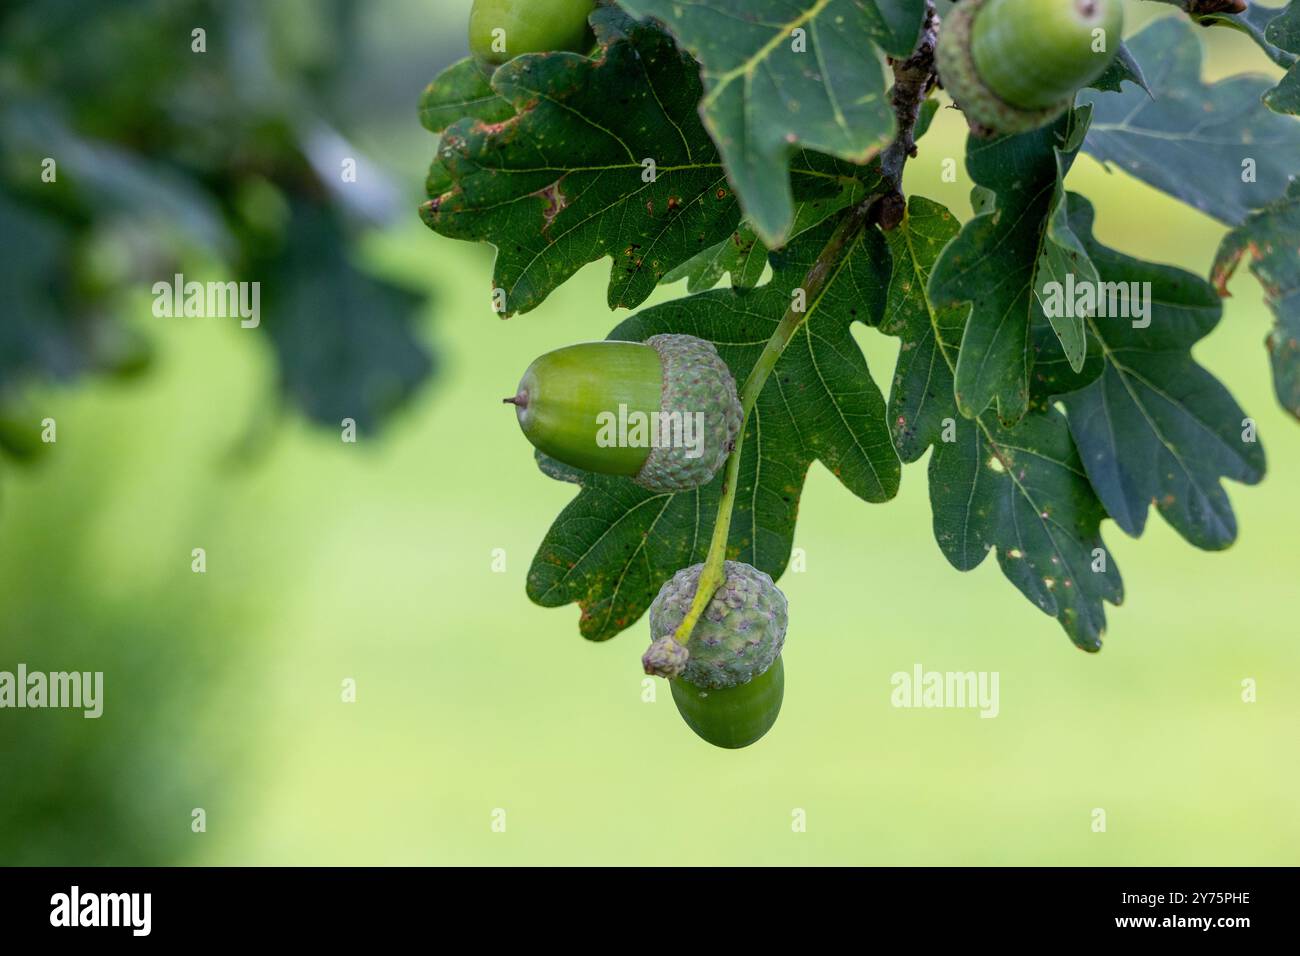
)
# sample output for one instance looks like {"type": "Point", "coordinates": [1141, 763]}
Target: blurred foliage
{"type": "Point", "coordinates": [225, 162]}
{"type": "Point", "coordinates": [222, 165]}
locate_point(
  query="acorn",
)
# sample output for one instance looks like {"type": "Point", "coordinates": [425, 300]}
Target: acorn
{"type": "Point", "coordinates": [1015, 65]}
{"type": "Point", "coordinates": [664, 412]}
{"type": "Point", "coordinates": [500, 30]}
{"type": "Point", "coordinates": [728, 680]}
{"type": "Point", "coordinates": [732, 717]}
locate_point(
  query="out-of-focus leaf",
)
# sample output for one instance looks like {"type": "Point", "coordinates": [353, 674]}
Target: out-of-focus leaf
{"type": "Point", "coordinates": [1006, 254]}
{"type": "Point", "coordinates": [782, 75]}
{"type": "Point", "coordinates": [168, 160]}
{"type": "Point", "coordinates": [106, 180]}
{"type": "Point", "coordinates": [345, 340]}
{"type": "Point", "coordinates": [1152, 426]}
{"type": "Point", "coordinates": [1019, 490]}
{"type": "Point", "coordinates": [1193, 140]}
{"type": "Point", "coordinates": [615, 544]}
{"type": "Point", "coordinates": [34, 333]}
{"type": "Point", "coordinates": [46, 331]}
{"type": "Point", "coordinates": [1272, 238]}
{"type": "Point", "coordinates": [370, 197]}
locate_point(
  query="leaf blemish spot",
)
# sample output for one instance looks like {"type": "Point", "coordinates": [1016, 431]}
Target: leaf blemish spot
{"type": "Point", "coordinates": [555, 202]}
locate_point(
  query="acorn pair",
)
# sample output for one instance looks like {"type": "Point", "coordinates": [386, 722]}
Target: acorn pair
{"type": "Point", "coordinates": [727, 679]}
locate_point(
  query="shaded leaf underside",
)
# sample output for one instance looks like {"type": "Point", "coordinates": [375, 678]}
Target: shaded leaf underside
{"type": "Point", "coordinates": [1021, 491]}
{"type": "Point", "coordinates": [1283, 31]}
{"type": "Point", "coordinates": [1190, 139]}
{"type": "Point", "coordinates": [1152, 426]}
{"type": "Point", "coordinates": [1271, 237]}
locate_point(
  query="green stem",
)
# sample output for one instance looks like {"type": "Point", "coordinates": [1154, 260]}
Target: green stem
{"type": "Point", "coordinates": [823, 270]}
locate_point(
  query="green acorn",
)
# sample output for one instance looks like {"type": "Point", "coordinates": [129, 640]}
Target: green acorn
{"type": "Point", "coordinates": [664, 412]}
{"type": "Point", "coordinates": [739, 635]}
{"type": "Point", "coordinates": [733, 717]}
{"type": "Point", "coordinates": [1015, 65]}
{"type": "Point", "coordinates": [500, 30]}
{"type": "Point", "coordinates": [728, 681]}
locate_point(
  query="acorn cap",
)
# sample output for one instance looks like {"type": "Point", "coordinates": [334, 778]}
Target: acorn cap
{"type": "Point", "coordinates": [739, 635]}
{"type": "Point", "coordinates": [697, 389]}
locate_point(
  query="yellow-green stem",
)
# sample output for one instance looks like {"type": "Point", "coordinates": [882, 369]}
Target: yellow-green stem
{"type": "Point", "coordinates": [829, 261]}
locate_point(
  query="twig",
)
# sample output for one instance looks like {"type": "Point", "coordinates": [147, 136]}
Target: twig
{"type": "Point", "coordinates": [913, 80]}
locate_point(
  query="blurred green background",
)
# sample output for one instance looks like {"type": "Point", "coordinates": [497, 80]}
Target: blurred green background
{"type": "Point", "coordinates": [374, 562]}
